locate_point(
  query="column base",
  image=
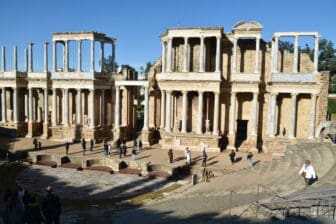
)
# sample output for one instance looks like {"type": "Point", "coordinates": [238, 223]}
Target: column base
{"type": "Point", "coordinates": [45, 131]}
{"type": "Point", "coordinates": [232, 141]}
{"type": "Point", "coordinates": [145, 135]}
{"type": "Point", "coordinates": [311, 137]}
{"type": "Point", "coordinates": [30, 130]}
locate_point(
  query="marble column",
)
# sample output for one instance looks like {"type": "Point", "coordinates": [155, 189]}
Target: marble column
{"type": "Point", "coordinates": [234, 55]}
{"type": "Point", "coordinates": [102, 108]}
{"type": "Point", "coordinates": [185, 55]}
{"type": "Point", "coordinates": [45, 106]}
{"type": "Point", "coordinates": [3, 57]}
{"type": "Point", "coordinates": [218, 53]}
{"type": "Point", "coordinates": [26, 59]}
{"type": "Point", "coordinates": [292, 126]}
{"type": "Point", "coordinates": [256, 70]}
{"type": "Point", "coordinates": [54, 56]}
{"type": "Point", "coordinates": [200, 112]}
{"type": "Point", "coordinates": [102, 56]}
{"type": "Point", "coordinates": [272, 113]}
{"type": "Point", "coordinates": [26, 108]}
{"type": "Point", "coordinates": [216, 114]}
{"type": "Point", "coordinates": [316, 53]}
{"type": "Point", "coordinates": [168, 111]}
{"type": "Point", "coordinates": [254, 114]}
{"type": "Point", "coordinates": [79, 106]}
{"type": "Point", "coordinates": [275, 45]}
{"type": "Point", "coordinates": [3, 105]}
{"type": "Point", "coordinates": [163, 57]}
{"type": "Point", "coordinates": [30, 105]}
{"type": "Point", "coordinates": [65, 107]}
{"type": "Point", "coordinates": [30, 68]}
{"type": "Point", "coordinates": [45, 67]}
{"type": "Point", "coordinates": [117, 108]}
{"type": "Point", "coordinates": [92, 69]}
{"type": "Point", "coordinates": [66, 56]}
{"type": "Point", "coordinates": [145, 127]}
{"type": "Point", "coordinates": [79, 55]}
{"type": "Point", "coordinates": [162, 109]}
{"type": "Point", "coordinates": [296, 54]}
{"type": "Point", "coordinates": [232, 119]}
{"type": "Point", "coordinates": [184, 111]}
{"type": "Point", "coordinates": [54, 108]}
{"type": "Point", "coordinates": [113, 58]}
{"type": "Point", "coordinates": [15, 64]}
{"type": "Point", "coordinates": [201, 55]}
{"type": "Point", "coordinates": [312, 116]}
{"type": "Point", "coordinates": [92, 111]}
{"type": "Point", "coordinates": [15, 105]}
{"type": "Point", "coordinates": [169, 55]}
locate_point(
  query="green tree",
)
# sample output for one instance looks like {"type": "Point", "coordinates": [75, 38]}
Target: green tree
{"type": "Point", "coordinates": [144, 70]}
{"type": "Point", "coordinates": [286, 45]}
{"type": "Point", "coordinates": [108, 64]}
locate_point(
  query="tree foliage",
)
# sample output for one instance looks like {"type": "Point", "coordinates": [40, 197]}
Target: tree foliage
{"type": "Point", "coordinates": [144, 70]}
{"type": "Point", "coordinates": [108, 64]}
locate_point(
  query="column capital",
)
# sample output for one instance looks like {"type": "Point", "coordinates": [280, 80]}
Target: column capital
{"type": "Point", "coordinates": [218, 36]}
{"type": "Point", "coordinates": [169, 91]}
{"type": "Point", "coordinates": [200, 92]}
{"type": "Point", "coordinates": [186, 38]}
{"type": "Point", "coordinates": [294, 94]}
{"type": "Point", "coordinates": [184, 91]}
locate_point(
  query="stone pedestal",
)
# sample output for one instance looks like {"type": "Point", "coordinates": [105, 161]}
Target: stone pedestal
{"type": "Point", "coordinates": [45, 131]}
{"type": "Point", "coordinates": [253, 143]}
{"type": "Point", "coordinates": [232, 140]}
{"type": "Point", "coordinates": [207, 127]}
{"type": "Point", "coordinates": [30, 130]}
{"type": "Point", "coordinates": [145, 135]}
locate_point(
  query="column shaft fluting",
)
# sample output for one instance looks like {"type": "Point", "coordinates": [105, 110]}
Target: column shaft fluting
{"type": "Point", "coordinates": [256, 70]}
{"type": "Point", "coordinates": [65, 107]}
{"type": "Point", "coordinates": [54, 108]}
{"type": "Point", "coordinates": [79, 55]}
{"type": "Point", "coordinates": [102, 56]}
{"type": "Point", "coordinates": [232, 120]}
{"type": "Point", "coordinates": [45, 106]}
{"type": "Point", "coordinates": [15, 64]}
{"type": "Point", "coordinates": [184, 111]}
{"type": "Point", "coordinates": [117, 108]}
{"type": "Point", "coordinates": [26, 59]}
{"type": "Point", "coordinates": [113, 58]}
{"type": "Point", "coordinates": [185, 55]}
{"type": "Point", "coordinates": [201, 55]}
{"type": "Point", "coordinates": [102, 108]}
{"type": "Point", "coordinates": [66, 56]}
{"type": "Point", "coordinates": [296, 54]}
{"type": "Point", "coordinates": [272, 112]}
{"type": "Point", "coordinates": [3, 57]}
{"type": "Point", "coordinates": [26, 106]}
{"type": "Point", "coordinates": [3, 105]}
{"type": "Point", "coordinates": [216, 113]}
{"type": "Point", "coordinates": [79, 106]}
{"type": "Point", "coordinates": [92, 111]}
{"type": "Point", "coordinates": [45, 67]}
{"type": "Point", "coordinates": [145, 128]}
{"type": "Point", "coordinates": [168, 111]}
{"type": "Point", "coordinates": [92, 56]}
{"type": "Point", "coordinates": [234, 55]}
{"type": "Point", "coordinates": [169, 56]}
{"type": "Point", "coordinates": [163, 57]}
{"type": "Point", "coordinates": [200, 113]}
{"type": "Point", "coordinates": [30, 68]}
{"type": "Point", "coordinates": [254, 117]}
{"type": "Point", "coordinates": [162, 117]}
{"type": "Point", "coordinates": [275, 45]}
{"type": "Point", "coordinates": [15, 105]}
{"type": "Point", "coordinates": [54, 56]}
{"type": "Point", "coordinates": [30, 103]}
{"type": "Point", "coordinates": [316, 53]}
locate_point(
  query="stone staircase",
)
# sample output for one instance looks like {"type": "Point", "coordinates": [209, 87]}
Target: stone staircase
{"type": "Point", "coordinates": [277, 177]}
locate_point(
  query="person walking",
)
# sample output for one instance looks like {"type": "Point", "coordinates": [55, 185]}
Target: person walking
{"type": "Point", "coordinates": [14, 211]}
{"type": "Point", "coordinates": [188, 157]}
{"type": "Point", "coordinates": [134, 153]}
{"type": "Point", "coordinates": [39, 145]}
{"type": "Point", "coordinates": [83, 146]}
{"type": "Point", "coordinates": [140, 145]}
{"type": "Point", "coordinates": [170, 155]}
{"type": "Point", "coordinates": [204, 158]}
{"type": "Point", "coordinates": [67, 145]}
{"type": "Point", "coordinates": [51, 207]}
{"type": "Point", "coordinates": [105, 149]}
{"type": "Point", "coordinates": [124, 148]}
{"type": "Point", "coordinates": [120, 151]}
{"type": "Point", "coordinates": [35, 142]}
{"type": "Point", "coordinates": [92, 144]}
{"type": "Point", "coordinates": [308, 173]}
{"type": "Point", "coordinates": [249, 158]}
{"type": "Point", "coordinates": [232, 156]}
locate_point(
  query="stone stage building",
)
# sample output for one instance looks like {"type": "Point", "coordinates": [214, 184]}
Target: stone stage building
{"type": "Point", "coordinates": [69, 103]}
{"type": "Point", "coordinates": [234, 90]}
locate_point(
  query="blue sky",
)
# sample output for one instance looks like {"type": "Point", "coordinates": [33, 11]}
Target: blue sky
{"type": "Point", "coordinates": [137, 24]}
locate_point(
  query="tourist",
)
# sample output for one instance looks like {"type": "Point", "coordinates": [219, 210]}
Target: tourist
{"type": "Point", "coordinates": [232, 156]}
{"type": "Point", "coordinates": [39, 145]}
{"type": "Point", "coordinates": [134, 153]}
{"type": "Point", "coordinates": [32, 213]}
{"type": "Point", "coordinates": [140, 145]}
{"type": "Point", "coordinates": [308, 173]}
{"type": "Point", "coordinates": [51, 207]}
{"type": "Point", "coordinates": [124, 149]}
{"type": "Point", "coordinates": [67, 145]}
{"type": "Point", "coordinates": [249, 158]}
{"type": "Point", "coordinates": [188, 156]}
{"type": "Point", "coordinates": [83, 146]}
{"type": "Point", "coordinates": [14, 211]}
{"type": "Point", "coordinates": [105, 149]}
{"type": "Point", "coordinates": [109, 150]}
{"type": "Point", "coordinates": [92, 143]}
{"type": "Point", "coordinates": [35, 142]}
{"type": "Point", "coordinates": [120, 151]}
{"type": "Point", "coordinates": [204, 158]}
{"type": "Point", "coordinates": [170, 155]}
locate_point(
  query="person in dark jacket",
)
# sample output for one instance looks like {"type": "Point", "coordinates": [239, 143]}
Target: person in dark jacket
{"type": "Point", "coordinates": [232, 156]}
{"type": "Point", "coordinates": [92, 144]}
{"type": "Point", "coordinates": [83, 146]}
{"type": "Point", "coordinates": [32, 214]}
{"type": "Point", "coordinates": [67, 146]}
{"type": "Point", "coordinates": [51, 207]}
